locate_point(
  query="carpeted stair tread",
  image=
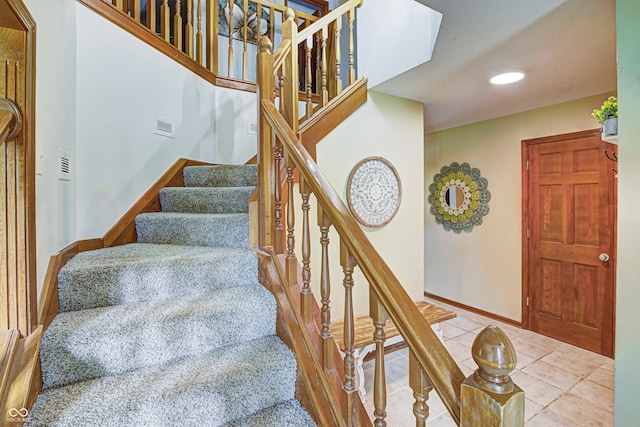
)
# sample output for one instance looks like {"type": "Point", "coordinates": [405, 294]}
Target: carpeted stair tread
{"type": "Point", "coordinates": [229, 230]}
{"type": "Point", "coordinates": [221, 176]}
{"type": "Point", "coordinates": [206, 199]}
{"type": "Point", "coordinates": [285, 414]}
{"type": "Point", "coordinates": [211, 389]}
{"type": "Point", "coordinates": [87, 344]}
{"type": "Point", "coordinates": [144, 271]}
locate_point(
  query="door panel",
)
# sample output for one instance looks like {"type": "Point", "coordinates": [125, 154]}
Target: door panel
{"type": "Point", "coordinates": [569, 203]}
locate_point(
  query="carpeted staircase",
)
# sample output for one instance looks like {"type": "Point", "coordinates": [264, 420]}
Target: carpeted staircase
{"type": "Point", "coordinates": [174, 330]}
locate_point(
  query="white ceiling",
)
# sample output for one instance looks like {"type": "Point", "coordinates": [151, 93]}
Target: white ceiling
{"type": "Point", "coordinates": [566, 47]}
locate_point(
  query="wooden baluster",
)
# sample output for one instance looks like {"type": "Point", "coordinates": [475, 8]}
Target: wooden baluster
{"type": "Point", "coordinates": [245, 53]}
{"type": "Point", "coordinates": [348, 264]}
{"type": "Point", "coordinates": [325, 290]}
{"type": "Point", "coordinates": [291, 260]}
{"type": "Point", "coordinates": [199, 33]}
{"type": "Point", "coordinates": [324, 79]}
{"type": "Point", "coordinates": [336, 47]}
{"type": "Point", "coordinates": [318, 38]}
{"type": "Point", "coordinates": [258, 16]}
{"type": "Point", "coordinates": [279, 245]}
{"type": "Point", "coordinates": [264, 80]}
{"type": "Point", "coordinates": [151, 16]}
{"type": "Point", "coordinates": [120, 5]}
{"type": "Point", "coordinates": [230, 50]}
{"type": "Point", "coordinates": [488, 397]}
{"type": "Point", "coordinates": [309, 75]}
{"type": "Point", "coordinates": [134, 9]}
{"type": "Point", "coordinates": [177, 26]}
{"type": "Point", "coordinates": [272, 17]}
{"type": "Point", "coordinates": [188, 34]}
{"type": "Point", "coordinates": [165, 20]}
{"type": "Point", "coordinates": [306, 297]}
{"type": "Point", "coordinates": [380, 317]}
{"type": "Point", "coordinates": [212, 36]}
{"type": "Point", "coordinates": [421, 386]}
{"type": "Point", "coordinates": [289, 95]}
{"type": "Point", "coordinates": [351, 16]}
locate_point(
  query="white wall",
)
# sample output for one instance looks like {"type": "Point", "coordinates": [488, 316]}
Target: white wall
{"type": "Point", "coordinates": [483, 269]}
{"type": "Point", "coordinates": [387, 31]}
{"type": "Point", "coordinates": [392, 128]}
{"type": "Point", "coordinates": [55, 125]}
{"type": "Point", "coordinates": [627, 375]}
{"type": "Point", "coordinates": [122, 84]}
{"type": "Point", "coordinates": [234, 110]}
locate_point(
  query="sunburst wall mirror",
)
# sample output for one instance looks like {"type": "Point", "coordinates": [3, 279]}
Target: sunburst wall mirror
{"type": "Point", "coordinates": [459, 197]}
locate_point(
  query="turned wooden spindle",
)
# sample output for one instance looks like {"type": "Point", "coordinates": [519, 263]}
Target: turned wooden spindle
{"type": "Point", "coordinates": [188, 30]}
{"type": "Point", "coordinates": [245, 53]}
{"type": "Point", "coordinates": [306, 297]}
{"type": "Point", "coordinates": [308, 46]}
{"type": "Point", "coordinates": [318, 42]}
{"type": "Point", "coordinates": [421, 386]}
{"type": "Point", "coordinates": [291, 260]}
{"type": "Point", "coordinates": [325, 292]}
{"type": "Point", "coordinates": [351, 17]}
{"type": "Point", "coordinates": [489, 397]}
{"type": "Point", "coordinates": [151, 16]}
{"type": "Point", "coordinates": [348, 263]}
{"type": "Point", "coordinates": [379, 316]}
{"type": "Point", "coordinates": [323, 72]}
{"type": "Point", "coordinates": [230, 4]}
{"type": "Point", "coordinates": [336, 48]}
{"type": "Point", "coordinates": [279, 245]}
{"type": "Point", "coordinates": [211, 36]}
{"type": "Point", "coordinates": [165, 21]}
{"type": "Point", "coordinates": [177, 26]}
{"type": "Point", "coordinates": [199, 33]}
{"type": "Point", "coordinates": [134, 9]}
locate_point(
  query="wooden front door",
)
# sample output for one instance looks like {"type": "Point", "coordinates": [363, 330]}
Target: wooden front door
{"type": "Point", "coordinates": [569, 242]}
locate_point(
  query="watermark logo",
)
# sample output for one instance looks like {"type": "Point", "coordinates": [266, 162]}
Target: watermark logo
{"type": "Point", "coordinates": [17, 415]}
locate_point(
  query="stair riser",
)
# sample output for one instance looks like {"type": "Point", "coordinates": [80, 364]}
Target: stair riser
{"type": "Point", "coordinates": [206, 200]}
{"type": "Point", "coordinates": [101, 342]}
{"type": "Point", "coordinates": [114, 283]}
{"type": "Point", "coordinates": [221, 176]}
{"type": "Point", "coordinates": [230, 230]}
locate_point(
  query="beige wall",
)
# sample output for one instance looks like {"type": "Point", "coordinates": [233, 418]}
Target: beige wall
{"type": "Point", "coordinates": [392, 128]}
{"type": "Point", "coordinates": [482, 269]}
{"type": "Point", "coordinates": [627, 376]}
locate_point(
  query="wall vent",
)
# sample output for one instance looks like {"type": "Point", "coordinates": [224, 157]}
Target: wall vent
{"type": "Point", "coordinates": [162, 127]}
{"type": "Point", "coordinates": [252, 128]}
{"type": "Point", "coordinates": [64, 165]}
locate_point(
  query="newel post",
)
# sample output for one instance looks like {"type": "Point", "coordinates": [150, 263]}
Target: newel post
{"type": "Point", "coordinates": [489, 397]}
{"type": "Point", "coordinates": [264, 80]}
{"type": "Point", "coordinates": [289, 94]}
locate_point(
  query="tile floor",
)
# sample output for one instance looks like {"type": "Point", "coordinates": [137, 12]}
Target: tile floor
{"type": "Point", "coordinates": [564, 385]}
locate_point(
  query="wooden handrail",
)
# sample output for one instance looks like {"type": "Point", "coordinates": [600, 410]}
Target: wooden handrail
{"type": "Point", "coordinates": [282, 8]}
{"type": "Point", "coordinates": [330, 17]}
{"type": "Point", "coordinates": [281, 54]}
{"type": "Point", "coordinates": [430, 353]}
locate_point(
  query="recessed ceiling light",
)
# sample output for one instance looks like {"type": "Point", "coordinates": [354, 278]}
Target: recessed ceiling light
{"type": "Point", "coordinates": [507, 77]}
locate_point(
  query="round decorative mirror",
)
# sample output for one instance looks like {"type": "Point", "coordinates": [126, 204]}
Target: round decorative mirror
{"type": "Point", "coordinates": [459, 197]}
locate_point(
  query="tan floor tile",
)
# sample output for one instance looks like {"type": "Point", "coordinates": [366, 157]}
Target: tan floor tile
{"type": "Point", "coordinates": [547, 418]}
{"type": "Point", "coordinates": [531, 409]}
{"type": "Point", "coordinates": [511, 331]}
{"type": "Point", "coordinates": [465, 323]}
{"type": "Point", "coordinates": [524, 345]}
{"type": "Point", "coordinates": [458, 351]}
{"type": "Point", "coordinates": [398, 369]}
{"type": "Point", "coordinates": [536, 390]}
{"type": "Point", "coordinates": [571, 363]}
{"type": "Point", "coordinates": [436, 407]}
{"type": "Point", "coordinates": [450, 331]}
{"type": "Point", "coordinates": [609, 364]}
{"type": "Point", "coordinates": [582, 412]}
{"type": "Point", "coordinates": [542, 340]}
{"type": "Point", "coordinates": [602, 376]}
{"type": "Point", "coordinates": [594, 393]}
{"type": "Point", "coordinates": [443, 420]}
{"type": "Point", "coordinates": [581, 353]}
{"type": "Point", "coordinates": [466, 339]}
{"type": "Point", "coordinates": [552, 375]}
{"type": "Point", "coordinates": [524, 360]}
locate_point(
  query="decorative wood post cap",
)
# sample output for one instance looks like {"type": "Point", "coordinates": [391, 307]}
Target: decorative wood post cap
{"type": "Point", "coordinates": [289, 14]}
{"type": "Point", "coordinates": [496, 359]}
{"type": "Point", "coordinates": [265, 45]}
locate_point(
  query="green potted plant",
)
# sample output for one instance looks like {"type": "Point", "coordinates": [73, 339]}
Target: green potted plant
{"type": "Point", "coordinates": [608, 115]}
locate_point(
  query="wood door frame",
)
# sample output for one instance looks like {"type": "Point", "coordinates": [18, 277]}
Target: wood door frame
{"type": "Point", "coordinates": [526, 144]}
{"type": "Point", "coordinates": [27, 308]}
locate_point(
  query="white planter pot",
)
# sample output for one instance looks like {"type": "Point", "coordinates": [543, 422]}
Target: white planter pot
{"type": "Point", "coordinates": [610, 126]}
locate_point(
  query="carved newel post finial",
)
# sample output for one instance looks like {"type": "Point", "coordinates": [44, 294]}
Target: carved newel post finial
{"type": "Point", "coordinates": [488, 396]}
{"type": "Point", "coordinates": [289, 14]}
{"type": "Point", "coordinates": [265, 45]}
